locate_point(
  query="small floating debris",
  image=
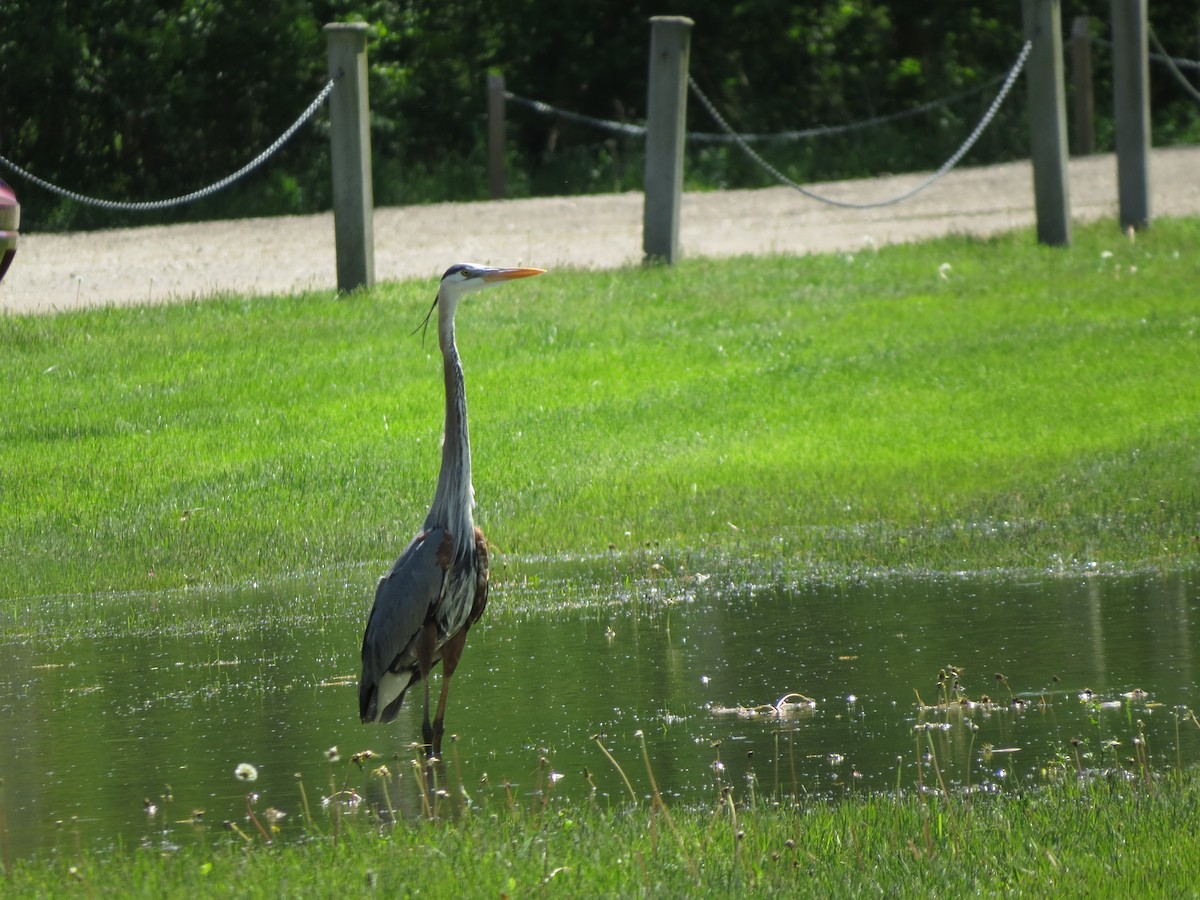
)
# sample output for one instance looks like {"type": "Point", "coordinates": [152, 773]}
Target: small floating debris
{"type": "Point", "coordinates": [349, 799]}
{"type": "Point", "coordinates": [961, 704]}
{"type": "Point", "coordinates": [339, 681]}
{"type": "Point", "coordinates": [788, 705]}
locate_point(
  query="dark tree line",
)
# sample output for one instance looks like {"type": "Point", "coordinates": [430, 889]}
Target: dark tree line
{"type": "Point", "coordinates": [134, 100]}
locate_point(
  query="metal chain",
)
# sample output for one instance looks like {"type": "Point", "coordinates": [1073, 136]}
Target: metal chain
{"type": "Point", "coordinates": [1171, 64]}
{"type": "Point", "coordinates": [845, 204]}
{"type": "Point", "coordinates": [706, 137]}
{"type": "Point", "coordinates": [194, 195]}
{"type": "Point", "coordinates": [605, 124]}
{"type": "Point", "coordinates": [829, 130]}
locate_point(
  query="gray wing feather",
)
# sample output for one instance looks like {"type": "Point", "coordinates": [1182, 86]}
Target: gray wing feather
{"type": "Point", "coordinates": [403, 599]}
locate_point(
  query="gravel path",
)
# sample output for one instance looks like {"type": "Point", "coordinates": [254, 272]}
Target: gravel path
{"type": "Point", "coordinates": [290, 253]}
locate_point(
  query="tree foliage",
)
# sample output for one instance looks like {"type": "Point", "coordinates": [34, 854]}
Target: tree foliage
{"type": "Point", "coordinates": [133, 100]}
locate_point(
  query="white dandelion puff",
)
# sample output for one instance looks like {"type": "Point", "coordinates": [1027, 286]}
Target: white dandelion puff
{"type": "Point", "coordinates": [245, 772]}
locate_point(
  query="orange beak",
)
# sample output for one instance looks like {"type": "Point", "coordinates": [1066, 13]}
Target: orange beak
{"type": "Point", "coordinates": [499, 275]}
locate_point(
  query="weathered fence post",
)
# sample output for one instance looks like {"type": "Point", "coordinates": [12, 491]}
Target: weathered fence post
{"type": "Point", "coordinates": [666, 122]}
{"type": "Point", "coordinates": [1047, 121]}
{"type": "Point", "coordinates": [350, 156]}
{"type": "Point", "coordinates": [1083, 119]}
{"type": "Point", "coordinates": [497, 176]}
{"type": "Point", "coordinates": [1131, 111]}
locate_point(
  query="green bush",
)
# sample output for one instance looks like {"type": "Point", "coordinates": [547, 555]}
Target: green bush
{"type": "Point", "coordinates": [137, 100]}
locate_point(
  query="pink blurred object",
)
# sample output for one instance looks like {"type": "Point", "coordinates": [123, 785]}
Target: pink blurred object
{"type": "Point", "coordinates": [10, 224]}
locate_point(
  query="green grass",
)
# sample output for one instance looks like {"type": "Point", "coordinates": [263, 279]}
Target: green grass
{"type": "Point", "coordinates": [1024, 408]}
{"type": "Point", "coordinates": [1105, 835]}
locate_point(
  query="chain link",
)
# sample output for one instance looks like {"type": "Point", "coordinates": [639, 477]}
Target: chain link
{"type": "Point", "coordinates": [846, 204]}
{"type": "Point", "coordinates": [194, 195]}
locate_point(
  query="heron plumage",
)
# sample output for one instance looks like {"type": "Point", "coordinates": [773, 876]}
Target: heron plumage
{"type": "Point", "coordinates": [438, 587]}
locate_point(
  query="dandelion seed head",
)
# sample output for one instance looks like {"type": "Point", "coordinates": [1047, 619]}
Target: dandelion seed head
{"type": "Point", "coordinates": [245, 772]}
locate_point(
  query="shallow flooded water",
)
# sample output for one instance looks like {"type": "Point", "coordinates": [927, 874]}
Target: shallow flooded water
{"type": "Point", "coordinates": [109, 704]}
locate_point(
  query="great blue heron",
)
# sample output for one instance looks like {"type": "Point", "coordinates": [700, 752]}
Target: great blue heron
{"type": "Point", "coordinates": [438, 587]}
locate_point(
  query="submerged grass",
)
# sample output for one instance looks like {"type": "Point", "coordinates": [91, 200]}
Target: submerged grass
{"type": "Point", "coordinates": [962, 403]}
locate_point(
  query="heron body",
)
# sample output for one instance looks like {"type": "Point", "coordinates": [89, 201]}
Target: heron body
{"type": "Point", "coordinates": [438, 588]}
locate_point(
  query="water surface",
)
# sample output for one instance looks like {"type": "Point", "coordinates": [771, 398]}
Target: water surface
{"type": "Point", "coordinates": [109, 702]}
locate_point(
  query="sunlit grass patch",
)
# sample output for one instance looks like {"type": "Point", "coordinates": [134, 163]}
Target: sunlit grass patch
{"type": "Point", "coordinates": [958, 404]}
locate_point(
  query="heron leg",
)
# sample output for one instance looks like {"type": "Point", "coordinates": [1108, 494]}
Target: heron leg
{"type": "Point", "coordinates": [425, 650]}
{"type": "Point", "coordinates": [451, 652]}
{"type": "Point", "coordinates": [426, 728]}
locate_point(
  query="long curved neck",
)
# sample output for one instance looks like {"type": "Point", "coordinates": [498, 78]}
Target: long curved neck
{"type": "Point", "coordinates": [455, 497]}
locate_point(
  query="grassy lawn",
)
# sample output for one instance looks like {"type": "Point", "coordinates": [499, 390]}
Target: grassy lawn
{"type": "Point", "coordinates": [955, 405]}
{"type": "Point", "coordinates": [959, 404]}
{"type": "Point", "coordinates": [1110, 835]}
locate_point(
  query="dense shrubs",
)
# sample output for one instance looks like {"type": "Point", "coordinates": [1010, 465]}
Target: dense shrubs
{"type": "Point", "coordinates": [133, 99]}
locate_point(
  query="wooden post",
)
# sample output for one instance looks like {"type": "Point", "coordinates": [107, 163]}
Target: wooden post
{"type": "Point", "coordinates": [666, 122]}
{"type": "Point", "coordinates": [350, 156]}
{"type": "Point", "coordinates": [1131, 111]}
{"type": "Point", "coordinates": [1084, 118]}
{"type": "Point", "coordinates": [1048, 121]}
{"type": "Point", "coordinates": [497, 176]}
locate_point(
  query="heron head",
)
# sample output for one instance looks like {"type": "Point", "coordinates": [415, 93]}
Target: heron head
{"type": "Point", "coordinates": [465, 278]}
